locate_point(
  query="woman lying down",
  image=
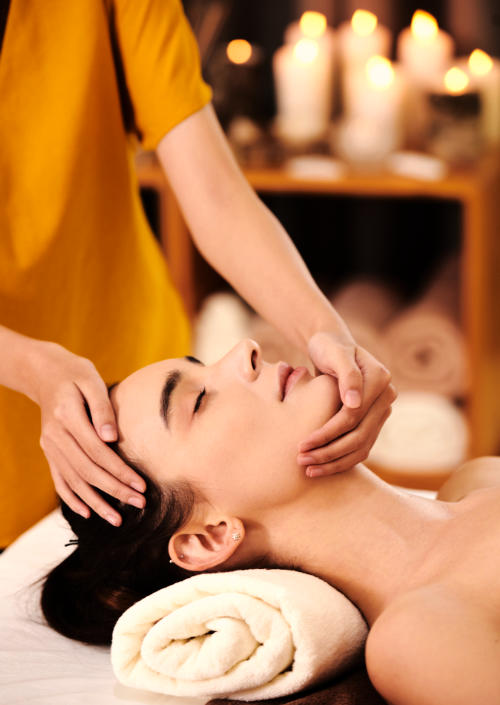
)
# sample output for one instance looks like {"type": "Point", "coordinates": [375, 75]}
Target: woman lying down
{"type": "Point", "coordinates": [217, 446]}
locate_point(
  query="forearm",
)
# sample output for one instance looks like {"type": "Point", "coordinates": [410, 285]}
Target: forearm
{"type": "Point", "coordinates": [238, 234]}
{"type": "Point", "coordinates": [17, 359]}
{"type": "Point", "coordinates": [248, 246]}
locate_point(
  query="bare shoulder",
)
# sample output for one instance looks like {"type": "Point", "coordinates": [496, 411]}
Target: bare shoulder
{"type": "Point", "coordinates": [476, 474]}
{"type": "Point", "coordinates": [433, 647]}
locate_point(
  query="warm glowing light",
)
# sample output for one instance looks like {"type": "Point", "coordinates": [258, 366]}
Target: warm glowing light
{"type": "Point", "coordinates": [364, 22]}
{"type": "Point", "coordinates": [480, 63]}
{"type": "Point", "coordinates": [306, 50]}
{"type": "Point", "coordinates": [456, 80]}
{"type": "Point", "coordinates": [423, 26]}
{"type": "Point", "coordinates": [379, 71]}
{"type": "Point", "coordinates": [312, 24]}
{"type": "Point", "coordinates": [239, 51]}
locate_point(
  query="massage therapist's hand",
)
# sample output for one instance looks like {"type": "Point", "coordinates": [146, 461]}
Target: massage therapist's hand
{"type": "Point", "coordinates": [367, 394]}
{"type": "Point", "coordinates": [74, 446]}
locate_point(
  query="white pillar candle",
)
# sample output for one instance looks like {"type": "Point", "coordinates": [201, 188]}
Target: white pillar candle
{"type": "Point", "coordinates": [303, 79]}
{"type": "Point", "coordinates": [484, 73]}
{"type": "Point", "coordinates": [423, 49]}
{"type": "Point", "coordinates": [376, 93]}
{"type": "Point", "coordinates": [374, 97]}
{"type": "Point", "coordinates": [362, 38]}
{"type": "Point", "coordinates": [312, 25]}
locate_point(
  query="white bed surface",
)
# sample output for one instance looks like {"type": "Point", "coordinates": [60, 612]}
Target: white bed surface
{"type": "Point", "coordinates": [37, 665]}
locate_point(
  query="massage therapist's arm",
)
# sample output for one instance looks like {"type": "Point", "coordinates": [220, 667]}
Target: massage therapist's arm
{"type": "Point", "coordinates": [246, 244]}
{"type": "Point", "coordinates": [60, 383]}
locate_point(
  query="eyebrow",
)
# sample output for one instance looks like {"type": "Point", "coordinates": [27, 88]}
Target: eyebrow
{"type": "Point", "coordinates": [173, 380]}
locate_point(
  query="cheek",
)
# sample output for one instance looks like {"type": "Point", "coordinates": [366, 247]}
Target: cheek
{"type": "Point", "coordinates": [312, 404]}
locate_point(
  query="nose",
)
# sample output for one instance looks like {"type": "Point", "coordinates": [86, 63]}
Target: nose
{"type": "Point", "coordinates": [246, 358]}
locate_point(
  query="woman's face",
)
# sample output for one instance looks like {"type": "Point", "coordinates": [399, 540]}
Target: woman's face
{"type": "Point", "coordinates": [232, 428]}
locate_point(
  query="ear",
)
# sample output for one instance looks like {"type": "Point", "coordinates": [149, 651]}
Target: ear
{"type": "Point", "coordinates": [199, 548]}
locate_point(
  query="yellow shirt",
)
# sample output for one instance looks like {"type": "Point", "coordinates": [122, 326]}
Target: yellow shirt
{"type": "Point", "coordinates": [80, 80]}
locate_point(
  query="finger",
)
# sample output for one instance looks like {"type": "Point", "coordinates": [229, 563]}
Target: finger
{"type": "Point", "coordinates": [347, 419]}
{"type": "Point", "coordinates": [66, 494]}
{"type": "Point", "coordinates": [342, 422]}
{"type": "Point", "coordinates": [341, 465]}
{"type": "Point", "coordinates": [83, 433]}
{"type": "Point", "coordinates": [90, 473]}
{"type": "Point", "coordinates": [75, 490]}
{"type": "Point", "coordinates": [363, 435]}
{"type": "Point", "coordinates": [92, 498]}
{"type": "Point", "coordinates": [350, 380]}
{"type": "Point", "coordinates": [95, 393]}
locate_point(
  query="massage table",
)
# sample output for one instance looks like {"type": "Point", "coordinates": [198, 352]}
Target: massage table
{"type": "Point", "coordinates": [38, 666]}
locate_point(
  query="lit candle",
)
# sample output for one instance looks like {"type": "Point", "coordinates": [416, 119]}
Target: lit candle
{"type": "Point", "coordinates": [423, 49]}
{"type": "Point", "coordinates": [374, 99]}
{"type": "Point", "coordinates": [376, 93]}
{"type": "Point", "coordinates": [235, 75]}
{"type": "Point", "coordinates": [312, 25]}
{"type": "Point", "coordinates": [361, 38]}
{"type": "Point", "coordinates": [485, 76]}
{"type": "Point", "coordinates": [303, 77]}
{"type": "Point", "coordinates": [239, 51]}
{"type": "Point", "coordinates": [454, 130]}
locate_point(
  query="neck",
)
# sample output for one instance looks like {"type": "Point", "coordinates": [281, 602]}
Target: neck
{"type": "Point", "coordinates": [369, 540]}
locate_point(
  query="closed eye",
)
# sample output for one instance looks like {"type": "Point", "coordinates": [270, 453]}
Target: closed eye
{"type": "Point", "coordinates": [199, 400]}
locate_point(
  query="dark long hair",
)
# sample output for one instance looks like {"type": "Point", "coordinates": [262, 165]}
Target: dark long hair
{"type": "Point", "coordinates": [114, 567]}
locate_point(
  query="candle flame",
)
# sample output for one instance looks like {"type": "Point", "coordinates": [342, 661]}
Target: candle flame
{"type": "Point", "coordinates": [456, 80]}
{"type": "Point", "coordinates": [306, 50]}
{"type": "Point", "coordinates": [363, 22]}
{"type": "Point", "coordinates": [239, 51]}
{"type": "Point", "coordinates": [424, 26]}
{"type": "Point", "coordinates": [379, 71]}
{"type": "Point", "coordinates": [312, 24]}
{"type": "Point", "coordinates": [480, 63]}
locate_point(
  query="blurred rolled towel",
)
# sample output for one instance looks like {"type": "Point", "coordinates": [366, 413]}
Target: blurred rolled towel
{"type": "Point", "coordinates": [222, 322]}
{"type": "Point", "coordinates": [367, 306]}
{"type": "Point", "coordinates": [425, 434]}
{"type": "Point", "coordinates": [426, 343]}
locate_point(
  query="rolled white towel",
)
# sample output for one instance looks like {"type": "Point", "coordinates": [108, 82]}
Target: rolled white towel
{"type": "Point", "coordinates": [425, 434]}
{"type": "Point", "coordinates": [222, 322]}
{"type": "Point", "coordinates": [247, 634]}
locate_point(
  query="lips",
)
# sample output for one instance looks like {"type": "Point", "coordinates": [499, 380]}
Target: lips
{"type": "Point", "coordinates": [284, 372]}
{"type": "Point", "coordinates": [288, 377]}
{"type": "Point", "coordinates": [293, 378]}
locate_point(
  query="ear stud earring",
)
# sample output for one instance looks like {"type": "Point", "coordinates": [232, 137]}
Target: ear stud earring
{"type": "Point", "coordinates": [181, 556]}
{"type": "Point", "coordinates": [236, 536]}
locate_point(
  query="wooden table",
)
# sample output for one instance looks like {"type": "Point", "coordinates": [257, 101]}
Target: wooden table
{"type": "Point", "coordinates": [477, 191]}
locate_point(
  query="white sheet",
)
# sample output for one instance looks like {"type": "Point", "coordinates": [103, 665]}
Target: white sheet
{"type": "Point", "coordinates": [37, 665]}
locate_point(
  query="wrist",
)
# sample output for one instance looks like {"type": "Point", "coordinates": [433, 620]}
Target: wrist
{"type": "Point", "coordinates": [328, 321]}
{"type": "Point", "coordinates": [22, 362]}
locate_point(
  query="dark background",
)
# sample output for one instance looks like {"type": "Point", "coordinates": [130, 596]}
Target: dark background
{"type": "Point", "coordinates": [400, 241]}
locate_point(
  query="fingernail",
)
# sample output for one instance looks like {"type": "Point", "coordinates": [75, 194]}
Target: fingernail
{"type": "Point", "coordinates": [306, 459]}
{"type": "Point", "coordinates": [137, 486]}
{"type": "Point", "coordinates": [312, 472]}
{"type": "Point", "coordinates": [113, 519]}
{"type": "Point", "coordinates": [138, 502]}
{"type": "Point", "coordinates": [353, 398]}
{"type": "Point", "coordinates": [84, 514]}
{"type": "Point", "coordinates": [108, 433]}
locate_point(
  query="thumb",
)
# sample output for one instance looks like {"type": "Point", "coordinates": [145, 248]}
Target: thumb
{"type": "Point", "coordinates": [350, 381]}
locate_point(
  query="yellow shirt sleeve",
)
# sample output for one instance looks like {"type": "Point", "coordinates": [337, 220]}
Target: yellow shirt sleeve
{"type": "Point", "coordinates": [161, 65]}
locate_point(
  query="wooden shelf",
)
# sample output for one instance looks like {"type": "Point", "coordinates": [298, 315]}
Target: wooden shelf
{"type": "Point", "coordinates": [478, 192]}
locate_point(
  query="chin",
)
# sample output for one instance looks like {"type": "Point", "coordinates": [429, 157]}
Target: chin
{"type": "Point", "coordinates": [320, 398]}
